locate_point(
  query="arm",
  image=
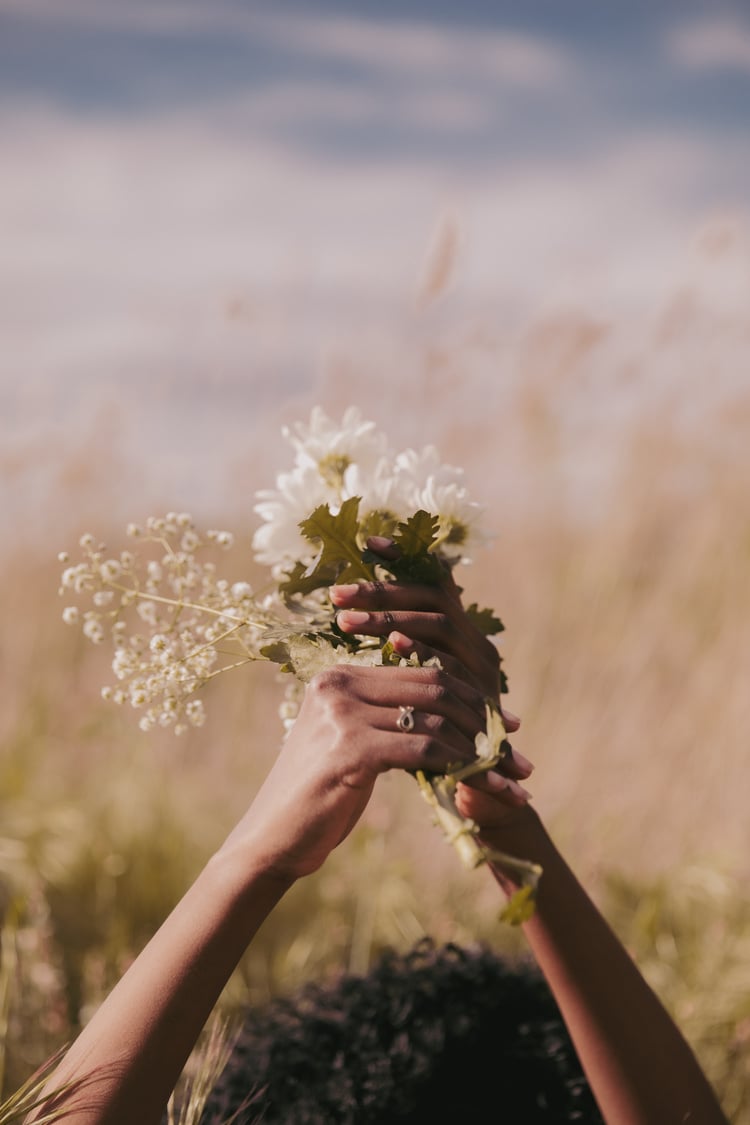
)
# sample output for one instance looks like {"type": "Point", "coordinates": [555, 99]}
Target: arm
{"type": "Point", "coordinates": [640, 1067]}
{"type": "Point", "coordinates": [130, 1054]}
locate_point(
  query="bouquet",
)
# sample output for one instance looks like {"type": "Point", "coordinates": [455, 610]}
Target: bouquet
{"type": "Point", "coordinates": [175, 622]}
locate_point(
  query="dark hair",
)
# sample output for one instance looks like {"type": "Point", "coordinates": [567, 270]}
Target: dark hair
{"type": "Point", "coordinates": [433, 1035]}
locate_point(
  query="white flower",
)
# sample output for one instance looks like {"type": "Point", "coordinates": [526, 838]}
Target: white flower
{"type": "Point", "coordinates": [93, 630]}
{"type": "Point", "coordinates": [194, 713]}
{"type": "Point", "coordinates": [70, 615]}
{"type": "Point", "coordinates": [381, 489]}
{"type": "Point", "coordinates": [110, 570]}
{"type": "Point", "coordinates": [241, 590]}
{"type": "Point", "coordinates": [430, 484]}
{"type": "Point", "coordinates": [279, 541]}
{"type": "Point", "coordinates": [147, 612]}
{"type": "Point", "coordinates": [332, 447]}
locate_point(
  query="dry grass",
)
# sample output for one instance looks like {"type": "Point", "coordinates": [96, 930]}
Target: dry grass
{"type": "Point", "coordinates": [627, 608]}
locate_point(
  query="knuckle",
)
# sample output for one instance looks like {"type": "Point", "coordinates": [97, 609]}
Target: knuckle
{"type": "Point", "coordinates": [437, 691]}
{"type": "Point", "coordinates": [443, 625]}
{"type": "Point", "coordinates": [330, 682]}
{"type": "Point", "coordinates": [428, 748]}
{"type": "Point", "coordinates": [438, 725]}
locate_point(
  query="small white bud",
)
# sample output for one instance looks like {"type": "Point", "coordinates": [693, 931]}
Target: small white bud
{"type": "Point", "coordinates": [70, 615]}
{"type": "Point", "coordinates": [110, 570]}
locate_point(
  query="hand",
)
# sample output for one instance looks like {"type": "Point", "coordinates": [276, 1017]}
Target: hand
{"type": "Point", "coordinates": [415, 616]}
{"type": "Point", "coordinates": [346, 734]}
{"type": "Point", "coordinates": [431, 621]}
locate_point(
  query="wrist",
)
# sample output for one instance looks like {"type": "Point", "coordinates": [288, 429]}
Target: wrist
{"type": "Point", "coordinates": [523, 836]}
{"type": "Point", "coordinates": [242, 874]}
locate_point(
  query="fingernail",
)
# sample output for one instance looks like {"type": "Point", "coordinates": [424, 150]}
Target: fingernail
{"type": "Point", "coordinates": [379, 542]}
{"type": "Point", "coordinates": [509, 715]}
{"type": "Point", "coordinates": [399, 640]}
{"type": "Point", "coordinates": [523, 763]}
{"type": "Point", "coordinates": [347, 590]}
{"type": "Point", "coordinates": [498, 783]}
{"type": "Point", "coordinates": [350, 618]}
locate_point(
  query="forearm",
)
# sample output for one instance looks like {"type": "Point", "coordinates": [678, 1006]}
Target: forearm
{"type": "Point", "coordinates": [640, 1067]}
{"type": "Point", "coordinates": [131, 1053]}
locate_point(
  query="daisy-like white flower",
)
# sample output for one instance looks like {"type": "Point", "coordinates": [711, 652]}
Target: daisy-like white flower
{"type": "Point", "coordinates": [430, 484]}
{"type": "Point", "coordinates": [332, 446]}
{"type": "Point", "coordinates": [383, 494]}
{"type": "Point", "coordinates": [278, 541]}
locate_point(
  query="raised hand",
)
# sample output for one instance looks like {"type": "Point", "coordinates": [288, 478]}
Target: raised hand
{"type": "Point", "coordinates": [346, 734]}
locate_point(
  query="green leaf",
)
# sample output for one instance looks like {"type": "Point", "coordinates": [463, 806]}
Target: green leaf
{"type": "Point", "coordinates": [417, 534]}
{"type": "Point", "coordinates": [300, 581]}
{"type": "Point", "coordinates": [340, 554]}
{"type": "Point", "coordinates": [520, 907]}
{"type": "Point", "coordinates": [389, 654]}
{"type": "Point", "coordinates": [417, 563]}
{"type": "Point", "coordinates": [484, 620]}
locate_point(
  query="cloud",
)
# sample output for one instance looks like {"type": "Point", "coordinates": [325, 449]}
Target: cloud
{"type": "Point", "coordinates": [413, 50]}
{"type": "Point", "coordinates": [194, 276]}
{"type": "Point", "coordinates": [714, 44]}
{"type": "Point", "coordinates": [421, 50]}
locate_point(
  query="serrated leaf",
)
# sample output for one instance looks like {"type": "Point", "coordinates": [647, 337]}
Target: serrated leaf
{"type": "Point", "coordinates": [277, 652]}
{"type": "Point", "coordinates": [417, 534]}
{"type": "Point", "coordinates": [300, 582]}
{"type": "Point", "coordinates": [340, 556]}
{"type": "Point", "coordinates": [306, 654]}
{"type": "Point", "coordinates": [484, 620]}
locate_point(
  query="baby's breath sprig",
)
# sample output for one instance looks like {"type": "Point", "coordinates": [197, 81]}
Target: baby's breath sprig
{"type": "Point", "coordinates": [173, 622]}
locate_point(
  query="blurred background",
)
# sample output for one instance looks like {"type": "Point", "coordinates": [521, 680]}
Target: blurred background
{"type": "Point", "coordinates": [519, 233]}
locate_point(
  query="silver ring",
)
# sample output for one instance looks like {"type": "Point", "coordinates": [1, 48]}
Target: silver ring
{"type": "Point", "coordinates": [405, 721]}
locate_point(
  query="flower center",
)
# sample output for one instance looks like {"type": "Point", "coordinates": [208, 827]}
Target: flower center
{"type": "Point", "coordinates": [332, 468]}
{"type": "Point", "coordinates": [457, 533]}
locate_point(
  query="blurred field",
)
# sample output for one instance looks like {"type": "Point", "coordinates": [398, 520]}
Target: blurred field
{"type": "Point", "coordinates": [627, 606]}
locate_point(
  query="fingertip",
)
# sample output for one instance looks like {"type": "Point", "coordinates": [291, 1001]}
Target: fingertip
{"type": "Point", "coordinates": [524, 767]}
{"type": "Point", "coordinates": [381, 545]}
{"type": "Point", "coordinates": [511, 722]}
{"type": "Point", "coordinates": [401, 643]}
{"type": "Point", "coordinates": [349, 619]}
{"type": "Point", "coordinates": [343, 593]}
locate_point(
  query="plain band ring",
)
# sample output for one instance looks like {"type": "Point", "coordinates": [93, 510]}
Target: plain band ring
{"type": "Point", "coordinates": [405, 721]}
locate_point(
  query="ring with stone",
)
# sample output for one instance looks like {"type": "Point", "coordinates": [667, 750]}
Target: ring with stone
{"type": "Point", "coordinates": [405, 721]}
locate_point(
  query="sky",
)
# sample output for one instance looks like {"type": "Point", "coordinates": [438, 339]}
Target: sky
{"type": "Point", "coordinates": [212, 214]}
